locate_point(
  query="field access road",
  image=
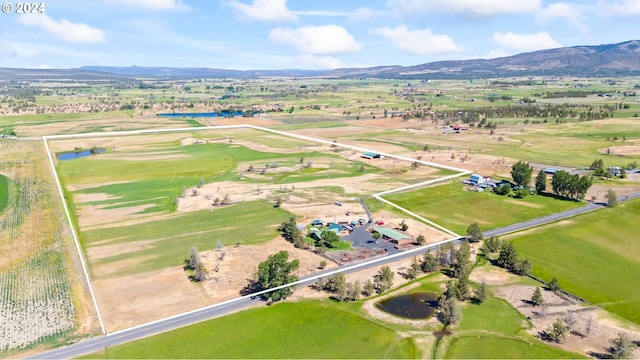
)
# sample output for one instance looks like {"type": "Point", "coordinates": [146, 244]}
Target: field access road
{"type": "Point", "coordinates": [230, 306]}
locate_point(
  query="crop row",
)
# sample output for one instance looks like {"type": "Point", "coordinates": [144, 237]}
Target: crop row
{"type": "Point", "coordinates": [36, 302]}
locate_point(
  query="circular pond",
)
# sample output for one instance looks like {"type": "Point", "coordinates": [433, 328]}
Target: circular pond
{"type": "Point", "coordinates": [419, 305]}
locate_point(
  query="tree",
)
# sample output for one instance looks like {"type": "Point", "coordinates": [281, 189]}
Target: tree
{"type": "Point", "coordinates": [541, 181]}
{"type": "Point", "coordinates": [290, 232]}
{"type": "Point", "coordinates": [369, 288]}
{"type": "Point", "coordinates": [508, 256]}
{"type": "Point", "coordinates": [474, 234]}
{"type": "Point", "coordinates": [597, 166]}
{"type": "Point", "coordinates": [522, 267]}
{"type": "Point", "coordinates": [421, 239]}
{"type": "Point", "coordinates": [557, 332]}
{"type": "Point", "coordinates": [553, 285]}
{"type": "Point", "coordinates": [481, 293]}
{"type": "Point", "coordinates": [493, 244]}
{"type": "Point", "coordinates": [384, 279]}
{"type": "Point", "coordinates": [199, 272]}
{"type": "Point", "coordinates": [276, 271]}
{"type": "Point", "coordinates": [537, 298]}
{"type": "Point", "coordinates": [226, 200]}
{"type": "Point", "coordinates": [521, 173]}
{"type": "Point", "coordinates": [621, 347]}
{"type": "Point", "coordinates": [322, 265]}
{"type": "Point", "coordinates": [404, 226]}
{"type": "Point", "coordinates": [429, 262]}
{"type": "Point", "coordinates": [279, 202]}
{"type": "Point", "coordinates": [450, 312]}
{"type": "Point", "coordinates": [612, 198]}
{"type": "Point", "coordinates": [414, 268]}
{"type": "Point", "coordinates": [355, 291]}
{"type": "Point", "coordinates": [193, 259]}
{"type": "Point", "coordinates": [462, 264]}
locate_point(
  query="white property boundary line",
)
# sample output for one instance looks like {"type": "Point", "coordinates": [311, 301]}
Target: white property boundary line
{"type": "Point", "coordinates": [377, 196]}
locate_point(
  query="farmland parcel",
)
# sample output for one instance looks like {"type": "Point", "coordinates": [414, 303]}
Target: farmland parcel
{"type": "Point", "coordinates": [148, 199]}
{"type": "Point", "coordinates": [41, 301]}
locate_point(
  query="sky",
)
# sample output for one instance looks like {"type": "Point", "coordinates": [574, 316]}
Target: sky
{"type": "Point", "coordinates": [301, 34]}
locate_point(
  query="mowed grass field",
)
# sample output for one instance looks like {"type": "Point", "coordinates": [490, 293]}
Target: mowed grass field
{"type": "Point", "coordinates": [305, 330]}
{"type": "Point", "coordinates": [4, 192]}
{"type": "Point", "coordinates": [453, 207]}
{"type": "Point", "coordinates": [166, 241]}
{"type": "Point", "coordinates": [499, 347]}
{"type": "Point", "coordinates": [595, 256]}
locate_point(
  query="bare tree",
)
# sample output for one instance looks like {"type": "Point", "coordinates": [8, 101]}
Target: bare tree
{"type": "Point", "coordinates": [193, 259]}
{"type": "Point", "coordinates": [220, 247]}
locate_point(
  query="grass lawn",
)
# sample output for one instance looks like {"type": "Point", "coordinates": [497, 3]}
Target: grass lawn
{"type": "Point", "coordinates": [496, 347]}
{"type": "Point", "coordinates": [170, 239]}
{"type": "Point", "coordinates": [307, 330]}
{"type": "Point", "coordinates": [453, 207]}
{"type": "Point", "coordinates": [4, 192]}
{"type": "Point", "coordinates": [494, 315]}
{"type": "Point", "coordinates": [595, 256]}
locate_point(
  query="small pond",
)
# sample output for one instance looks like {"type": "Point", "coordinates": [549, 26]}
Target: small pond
{"type": "Point", "coordinates": [78, 154]}
{"type": "Point", "coordinates": [421, 305]}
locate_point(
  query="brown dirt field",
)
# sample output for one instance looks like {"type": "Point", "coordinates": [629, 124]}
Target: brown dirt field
{"type": "Point", "coordinates": [105, 124]}
{"type": "Point", "coordinates": [262, 120]}
{"type": "Point", "coordinates": [140, 298]}
{"type": "Point", "coordinates": [621, 150]}
{"type": "Point", "coordinates": [602, 330]}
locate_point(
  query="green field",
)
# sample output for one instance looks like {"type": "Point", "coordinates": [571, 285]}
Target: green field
{"type": "Point", "coordinates": [453, 207]}
{"type": "Point", "coordinates": [247, 223]}
{"type": "Point", "coordinates": [595, 256]}
{"type": "Point", "coordinates": [305, 330]}
{"type": "Point", "coordinates": [159, 182]}
{"type": "Point", "coordinates": [4, 192]}
{"type": "Point", "coordinates": [498, 347]}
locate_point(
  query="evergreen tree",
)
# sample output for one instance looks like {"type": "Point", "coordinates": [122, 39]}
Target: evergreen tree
{"type": "Point", "coordinates": [481, 293]}
{"type": "Point", "coordinates": [429, 262]}
{"type": "Point", "coordinates": [537, 298]}
{"type": "Point", "coordinates": [621, 347]}
{"type": "Point", "coordinates": [508, 256]}
{"type": "Point", "coordinates": [553, 285]}
{"type": "Point", "coordinates": [612, 198]}
{"type": "Point", "coordinates": [521, 173]}
{"type": "Point", "coordinates": [474, 234]}
{"type": "Point", "coordinates": [541, 181]}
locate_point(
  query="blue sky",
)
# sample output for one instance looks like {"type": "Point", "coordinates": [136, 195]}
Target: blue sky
{"type": "Point", "coordinates": [302, 34]}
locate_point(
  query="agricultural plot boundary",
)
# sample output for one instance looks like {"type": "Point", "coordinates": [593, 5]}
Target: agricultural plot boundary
{"type": "Point", "coordinates": [378, 196]}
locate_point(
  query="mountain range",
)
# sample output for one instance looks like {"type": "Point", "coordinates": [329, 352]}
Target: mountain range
{"type": "Point", "coordinates": [622, 59]}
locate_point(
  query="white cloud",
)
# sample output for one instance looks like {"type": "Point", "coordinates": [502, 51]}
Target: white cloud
{"type": "Point", "coordinates": [524, 42]}
{"type": "Point", "coordinates": [316, 40]}
{"type": "Point", "coordinates": [361, 13]}
{"type": "Point", "coordinates": [265, 10]}
{"type": "Point", "coordinates": [420, 42]}
{"type": "Point", "coordinates": [318, 62]}
{"type": "Point", "coordinates": [153, 4]}
{"type": "Point", "coordinates": [473, 7]}
{"type": "Point", "coordinates": [620, 7]}
{"type": "Point", "coordinates": [569, 12]}
{"type": "Point", "coordinates": [44, 66]}
{"type": "Point", "coordinates": [64, 29]}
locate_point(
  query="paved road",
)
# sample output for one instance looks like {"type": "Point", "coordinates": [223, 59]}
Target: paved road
{"type": "Point", "coordinates": [100, 343]}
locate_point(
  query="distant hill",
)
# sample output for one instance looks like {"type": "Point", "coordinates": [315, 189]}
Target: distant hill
{"type": "Point", "coordinates": [62, 75]}
{"type": "Point", "coordinates": [621, 59]}
{"type": "Point", "coordinates": [175, 72]}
